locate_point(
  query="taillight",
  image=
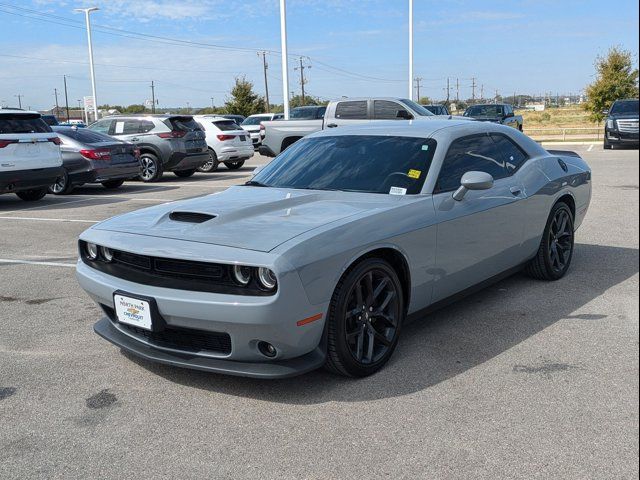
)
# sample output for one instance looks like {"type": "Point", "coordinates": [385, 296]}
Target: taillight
{"type": "Point", "coordinates": [222, 138]}
{"type": "Point", "coordinates": [98, 154]}
{"type": "Point", "coordinates": [4, 143]}
{"type": "Point", "coordinates": [56, 140]}
{"type": "Point", "coordinates": [172, 134]}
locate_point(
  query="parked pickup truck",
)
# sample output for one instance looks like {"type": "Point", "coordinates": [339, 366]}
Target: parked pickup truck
{"type": "Point", "coordinates": [496, 113]}
{"type": "Point", "coordinates": [278, 135]}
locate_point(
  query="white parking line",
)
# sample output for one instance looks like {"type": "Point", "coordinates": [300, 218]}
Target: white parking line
{"type": "Point", "coordinates": [40, 219]}
{"type": "Point", "coordinates": [48, 205]}
{"type": "Point", "coordinates": [33, 262]}
{"type": "Point", "coordinates": [590, 148]}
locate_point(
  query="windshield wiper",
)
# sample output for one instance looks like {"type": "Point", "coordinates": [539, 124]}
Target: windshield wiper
{"type": "Point", "coordinates": [254, 183]}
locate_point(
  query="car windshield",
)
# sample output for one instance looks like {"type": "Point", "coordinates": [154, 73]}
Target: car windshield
{"type": "Point", "coordinates": [484, 111]}
{"type": "Point", "coordinates": [22, 123]}
{"type": "Point", "coordinates": [417, 108]}
{"type": "Point", "coordinates": [354, 163]}
{"type": "Point", "coordinates": [626, 107]}
{"type": "Point", "coordinates": [255, 120]}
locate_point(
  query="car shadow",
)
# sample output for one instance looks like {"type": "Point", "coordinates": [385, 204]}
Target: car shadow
{"type": "Point", "coordinates": [448, 342]}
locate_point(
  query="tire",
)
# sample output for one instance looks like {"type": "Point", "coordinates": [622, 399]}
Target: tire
{"type": "Point", "coordinates": [150, 168]}
{"type": "Point", "coordinates": [234, 165]}
{"type": "Point", "coordinates": [32, 195]}
{"type": "Point", "coordinates": [184, 173]}
{"type": "Point", "coordinates": [113, 184]}
{"type": "Point", "coordinates": [556, 247]}
{"type": "Point", "coordinates": [607, 146]}
{"type": "Point", "coordinates": [351, 342]}
{"type": "Point", "coordinates": [211, 165]}
{"type": "Point", "coordinates": [520, 127]}
{"type": "Point", "coordinates": [62, 185]}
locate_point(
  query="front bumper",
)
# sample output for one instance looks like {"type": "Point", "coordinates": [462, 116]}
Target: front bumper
{"type": "Point", "coordinates": [19, 180]}
{"type": "Point", "coordinates": [267, 370]}
{"type": "Point", "coordinates": [613, 136]}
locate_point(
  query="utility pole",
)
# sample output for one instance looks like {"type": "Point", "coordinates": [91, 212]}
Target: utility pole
{"type": "Point", "coordinates": [285, 58]}
{"type": "Point", "coordinates": [448, 91]}
{"type": "Point", "coordinates": [66, 97]}
{"type": "Point", "coordinates": [55, 92]}
{"type": "Point", "coordinates": [496, 97]}
{"type": "Point", "coordinates": [265, 66]}
{"type": "Point", "coordinates": [418, 80]}
{"type": "Point", "coordinates": [473, 89]}
{"type": "Point", "coordinates": [482, 92]}
{"type": "Point", "coordinates": [457, 90]}
{"type": "Point", "coordinates": [302, 79]}
{"type": "Point", "coordinates": [153, 98]}
{"type": "Point", "coordinates": [19, 100]}
{"type": "Point", "coordinates": [86, 12]}
{"type": "Point", "coordinates": [411, 50]}
{"type": "Point", "coordinates": [212, 104]}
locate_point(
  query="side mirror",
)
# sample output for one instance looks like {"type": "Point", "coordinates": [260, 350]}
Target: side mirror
{"type": "Point", "coordinates": [404, 115]}
{"type": "Point", "coordinates": [605, 112]}
{"type": "Point", "coordinates": [473, 181]}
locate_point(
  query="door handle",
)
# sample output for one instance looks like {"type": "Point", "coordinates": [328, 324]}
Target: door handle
{"type": "Point", "coordinates": [134, 139]}
{"type": "Point", "coordinates": [332, 125]}
{"type": "Point", "coordinates": [515, 191]}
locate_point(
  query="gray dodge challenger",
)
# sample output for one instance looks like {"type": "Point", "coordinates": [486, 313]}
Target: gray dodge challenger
{"type": "Point", "coordinates": [327, 251]}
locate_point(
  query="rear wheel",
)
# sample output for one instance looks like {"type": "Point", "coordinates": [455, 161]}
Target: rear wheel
{"type": "Point", "coordinates": [556, 247]}
{"type": "Point", "coordinates": [62, 185]}
{"type": "Point", "coordinates": [210, 165]}
{"type": "Point", "coordinates": [365, 317]}
{"type": "Point", "coordinates": [150, 168]}
{"type": "Point", "coordinates": [184, 173]}
{"type": "Point", "coordinates": [32, 195]}
{"type": "Point", "coordinates": [234, 165]}
{"type": "Point", "coordinates": [112, 184]}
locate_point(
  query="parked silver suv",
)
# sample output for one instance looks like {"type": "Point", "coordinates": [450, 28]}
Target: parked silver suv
{"type": "Point", "coordinates": [173, 143]}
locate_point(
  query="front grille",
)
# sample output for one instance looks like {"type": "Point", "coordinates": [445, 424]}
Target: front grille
{"type": "Point", "coordinates": [628, 126]}
{"type": "Point", "coordinates": [187, 340]}
{"type": "Point", "coordinates": [174, 273]}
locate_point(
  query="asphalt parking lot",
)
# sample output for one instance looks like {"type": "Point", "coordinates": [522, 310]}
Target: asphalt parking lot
{"type": "Point", "coordinates": [524, 380]}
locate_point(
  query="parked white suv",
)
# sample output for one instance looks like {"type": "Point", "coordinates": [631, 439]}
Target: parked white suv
{"type": "Point", "coordinates": [227, 142]}
{"type": "Point", "coordinates": [30, 158]}
{"type": "Point", "coordinates": [252, 125]}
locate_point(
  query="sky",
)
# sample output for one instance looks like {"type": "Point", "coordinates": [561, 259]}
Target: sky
{"type": "Point", "coordinates": [353, 47]}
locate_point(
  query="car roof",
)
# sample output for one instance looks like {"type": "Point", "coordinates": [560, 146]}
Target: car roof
{"type": "Point", "coordinates": [415, 128]}
{"type": "Point", "coordinates": [18, 111]}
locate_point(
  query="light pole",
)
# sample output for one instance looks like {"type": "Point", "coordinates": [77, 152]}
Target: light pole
{"type": "Point", "coordinates": [285, 58]}
{"type": "Point", "coordinates": [411, 50]}
{"type": "Point", "coordinates": [87, 11]}
{"type": "Point", "coordinates": [19, 97]}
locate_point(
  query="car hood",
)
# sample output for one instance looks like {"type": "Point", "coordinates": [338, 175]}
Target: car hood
{"type": "Point", "coordinates": [253, 218]}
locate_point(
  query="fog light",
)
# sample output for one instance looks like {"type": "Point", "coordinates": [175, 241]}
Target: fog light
{"type": "Point", "coordinates": [92, 251]}
{"type": "Point", "coordinates": [107, 254]}
{"type": "Point", "coordinates": [267, 349]}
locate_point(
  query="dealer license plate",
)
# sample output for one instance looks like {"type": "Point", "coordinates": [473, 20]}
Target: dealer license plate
{"type": "Point", "coordinates": [133, 311]}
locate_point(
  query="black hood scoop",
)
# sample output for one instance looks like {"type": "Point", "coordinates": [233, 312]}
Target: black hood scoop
{"type": "Point", "coordinates": [191, 217]}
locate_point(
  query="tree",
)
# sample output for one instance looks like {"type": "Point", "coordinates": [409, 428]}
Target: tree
{"type": "Point", "coordinates": [425, 101]}
{"type": "Point", "coordinates": [296, 101]}
{"type": "Point", "coordinates": [615, 78]}
{"type": "Point", "coordinates": [243, 100]}
{"type": "Point", "coordinates": [135, 108]}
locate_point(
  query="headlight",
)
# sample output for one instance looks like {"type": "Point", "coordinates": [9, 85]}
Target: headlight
{"type": "Point", "coordinates": [242, 274]}
{"type": "Point", "coordinates": [92, 251]}
{"type": "Point", "coordinates": [107, 254]}
{"type": "Point", "coordinates": [610, 124]}
{"type": "Point", "coordinates": [267, 278]}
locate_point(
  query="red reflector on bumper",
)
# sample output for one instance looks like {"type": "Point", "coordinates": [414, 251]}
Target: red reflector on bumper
{"type": "Point", "coordinates": [309, 320]}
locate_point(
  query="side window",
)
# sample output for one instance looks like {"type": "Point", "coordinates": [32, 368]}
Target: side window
{"type": "Point", "coordinates": [320, 112]}
{"type": "Point", "coordinates": [386, 110]}
{"type": "Point", "coordinates": [146, 126]}
{"type": "Point", "coordinates": [514, 156]}
{"type": "Point", "coordinates": [352, 110]}
{"type": "Point", "coordinates": [477, 153]}
{"type": "Point", "coordinates": [101, 126]}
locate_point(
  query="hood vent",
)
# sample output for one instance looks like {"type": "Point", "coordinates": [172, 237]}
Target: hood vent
{"type": "Point", "coordinates": [190, 217]}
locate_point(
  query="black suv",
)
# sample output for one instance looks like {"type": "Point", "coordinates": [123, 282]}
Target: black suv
{"type": "Point", "coordinates": [621, 126]}
{"type": "Point", "coordinates": [174, 143]}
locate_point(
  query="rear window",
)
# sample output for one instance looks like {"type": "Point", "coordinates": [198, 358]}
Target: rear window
{"type": "Point", "coordinates": [22, 123]}
{"type": "Point", "coordinates": [352, 110]}
{"type": "Point", "coordinates": [83, 135]}
{"type": "Point", "coordinates": [185, 124]}
{"type": "Point", "coordinates": [226, 125]}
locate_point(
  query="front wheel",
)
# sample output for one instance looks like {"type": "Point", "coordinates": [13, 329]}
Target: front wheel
{"type": "Point", "coordinates": [234, 165]}
{"type": "Point", "coordinates": [150, 168]}
{"type": "Point", "coordinates": [210, 165]}
{"type": "Point", "coordinates": [607, 146]}
{"type": "Point", "coordinates": [32, 195]}
{"type": "Point", "coordinates": [556, 247]}
{"type": "Point", "coordinates": [184, 173]}
{"type": "Point", "coordinates": [113, 184]}
{"type": "Point", "coordinates": [365, 317]}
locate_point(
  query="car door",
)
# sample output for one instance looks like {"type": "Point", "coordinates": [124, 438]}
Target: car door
{"type": "Point", "coordinates": [481, 235]}
{"type": "Point", "coordinates": [389, 110]}
{"type": "Point", "coordinates": [509, 120]}
{"type": "Point", "coordinates": [350, 112]}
